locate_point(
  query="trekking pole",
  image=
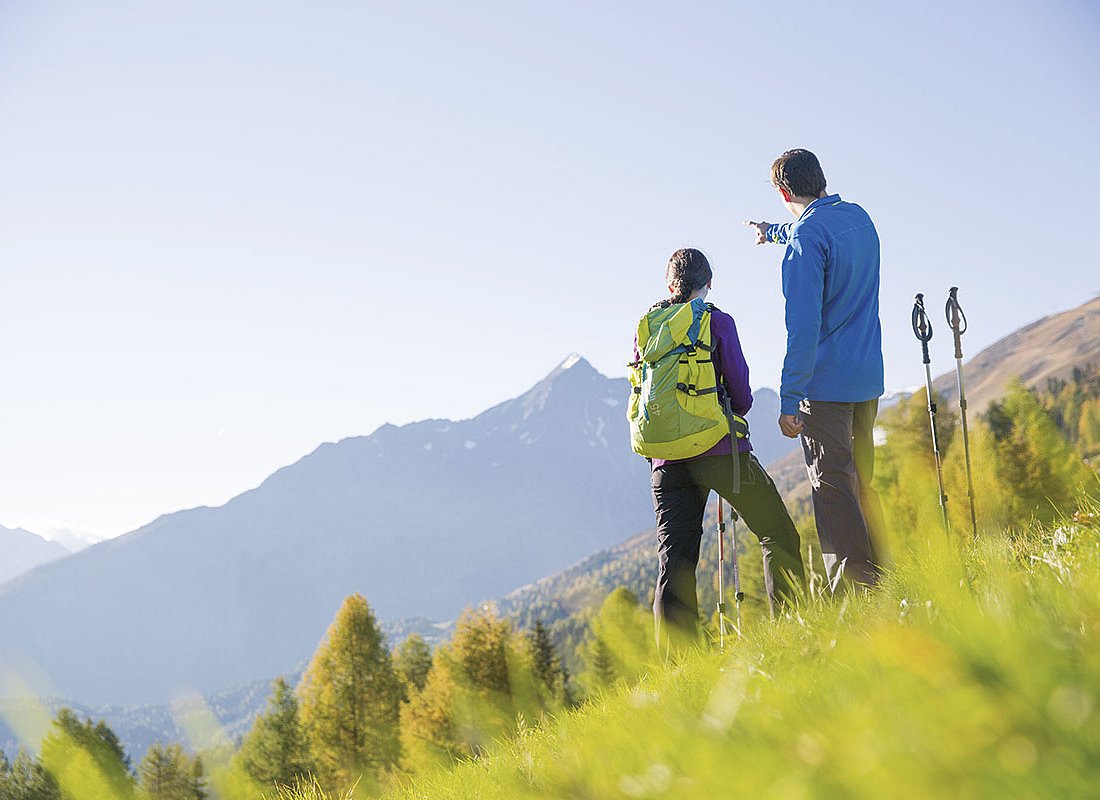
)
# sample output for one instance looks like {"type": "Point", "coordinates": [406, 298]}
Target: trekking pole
{"type": "Point", "coordinates": [738, 595]}
{"type": "Point", "coordinates": [922, 329]}
{"type": "Point", "coordinates": [721, 579]}
{"type": "Point", "coordinates": [957, 320]}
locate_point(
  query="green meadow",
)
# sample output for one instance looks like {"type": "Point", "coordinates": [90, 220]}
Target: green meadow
{"type": "Point", "coordinates": [973, 672]}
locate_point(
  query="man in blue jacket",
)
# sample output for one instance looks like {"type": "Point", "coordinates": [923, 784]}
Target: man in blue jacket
{"type": "Point", "coordinates": [832, 373]}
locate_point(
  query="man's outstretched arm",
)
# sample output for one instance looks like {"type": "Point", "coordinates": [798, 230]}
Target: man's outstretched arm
{"type": "Point", "coordinates": [803, 287]}
{"type": "Point", "coordinates": [770, 232]}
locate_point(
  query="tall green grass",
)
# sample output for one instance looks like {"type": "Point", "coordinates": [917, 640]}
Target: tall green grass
{"type": "Point", "coordinates": [973, 671]}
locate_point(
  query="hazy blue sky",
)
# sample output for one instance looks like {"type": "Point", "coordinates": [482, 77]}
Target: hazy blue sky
{"type": "Point", "coordinates": [230, 231]}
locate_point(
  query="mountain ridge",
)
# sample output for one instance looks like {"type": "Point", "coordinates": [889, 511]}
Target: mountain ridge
{"type": "Point", "coordinates": [423, 519]}
{"type": "Point", "coordinates": [22, 551]}
{"type": "Point", "coordinates": [1046, 349]}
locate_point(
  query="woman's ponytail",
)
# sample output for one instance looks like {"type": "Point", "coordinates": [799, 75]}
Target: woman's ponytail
{"type": "Point", "coordinates": [687, 271]}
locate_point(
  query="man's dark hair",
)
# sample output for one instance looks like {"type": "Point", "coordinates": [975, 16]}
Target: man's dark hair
{"type": "Point", "coordinates": [799, 172]}
{"type": "Point", "coordinates": [687, 270]}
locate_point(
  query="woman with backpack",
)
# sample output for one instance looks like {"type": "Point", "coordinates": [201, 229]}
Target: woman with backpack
{"type": "Point", "coordinates": [690, 394]}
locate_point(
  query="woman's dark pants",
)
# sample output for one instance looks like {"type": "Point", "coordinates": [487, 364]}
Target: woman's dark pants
{"type": "Point", "coordinates": [680, 493]}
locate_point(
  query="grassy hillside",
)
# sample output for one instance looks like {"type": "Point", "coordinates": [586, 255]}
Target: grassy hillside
{"type": "Point", "coordinates": [974, 673]}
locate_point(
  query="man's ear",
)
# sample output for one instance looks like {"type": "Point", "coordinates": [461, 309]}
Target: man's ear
{"type": "Point", "coordinates": [709, 283]}
{"type": "Point", "coordinates": [787, 197]}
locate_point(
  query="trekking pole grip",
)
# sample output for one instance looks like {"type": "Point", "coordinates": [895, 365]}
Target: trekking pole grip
{"type": "Point", "coordinates": [922, 326]}
{"type": "Point", "coordinates": [956, 319]}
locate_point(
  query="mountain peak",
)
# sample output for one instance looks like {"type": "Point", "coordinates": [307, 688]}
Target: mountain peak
{"type": "Point", "coordinates": [573, 370]}
{"type": "Point", "coordinates": [571, 361]}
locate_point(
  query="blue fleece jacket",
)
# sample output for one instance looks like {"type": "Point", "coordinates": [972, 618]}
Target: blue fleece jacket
{"type": "Point", "coordinates": [830, 280]}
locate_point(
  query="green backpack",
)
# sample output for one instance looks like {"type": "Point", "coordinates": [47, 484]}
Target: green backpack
{"type": "Point", "coordinates": [677, 408]}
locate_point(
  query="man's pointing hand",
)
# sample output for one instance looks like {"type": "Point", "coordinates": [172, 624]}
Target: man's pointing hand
{"type": "Point", "coordinates": [761, 229]}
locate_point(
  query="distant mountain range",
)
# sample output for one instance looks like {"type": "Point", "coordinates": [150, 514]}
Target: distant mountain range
{"type": "Point", "coordinates": [423, 520]}
{"type": "Point", "coordinates": [22, 551]}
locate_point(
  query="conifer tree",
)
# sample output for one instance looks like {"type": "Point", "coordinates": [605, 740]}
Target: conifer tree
{"type": "Point", "coordinates": [429, 733]}
{"type": "Point", "coordinates": [198, 779]}
{"type": "Point", "coordinates": [547, 663]}
{"type": "Point", "coordinates": [412, 659]}
{"type": "Point", "coordinates": [627, 630]}
{"type": "Point", "coordinates": [276, 751]}
{"type": "Point", "coordinates": [86, 759]}
{"type": "Point", "coordinates": [1088, 428]}
{"type": "Point", "coordinates": [1039, 470]}
{"type": "Point", "coordinates": [26, 779]}
{"type": "Point", "coordinates": [166, 773]}
{"type": "Point", "coordinates": [905, 468]}
{"type": "Point", "coordinates": [546, 660]}
{"type": "Point", "coordinates": [601, 665]}
{"type": "Point", "coordinates": [479, 685]}
{"type": "Point", "coordinates": [350, 697]}
{"type": "Point", "coordinates": [480, 648]}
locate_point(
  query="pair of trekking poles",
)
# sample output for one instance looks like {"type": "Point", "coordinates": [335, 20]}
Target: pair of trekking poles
{"type": "Point", "coordinates": [738, 595]}
{"type": "Point", "coordinates": [922, 329]}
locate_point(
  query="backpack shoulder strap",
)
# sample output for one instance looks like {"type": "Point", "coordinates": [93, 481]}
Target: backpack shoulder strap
{"type": "Point", "coordinates": [643, 332]}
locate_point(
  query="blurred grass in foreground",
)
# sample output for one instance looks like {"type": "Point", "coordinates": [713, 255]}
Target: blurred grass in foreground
{"type": "Point", "coordinates": [973, 672]}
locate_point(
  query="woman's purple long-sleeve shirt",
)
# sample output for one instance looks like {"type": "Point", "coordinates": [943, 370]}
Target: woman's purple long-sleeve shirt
{"type": "Point", "coordinates": [733, 371]}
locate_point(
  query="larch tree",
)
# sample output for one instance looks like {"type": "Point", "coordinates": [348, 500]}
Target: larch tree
{"type": "Point", "coordinates": [167, 773]}
{"type": "Point", "coordinates": [429, 735]}
{"type": "Point", "coordinates": [86, 759]}
{"type": "Point", "coordinates": [412, 659]}
{"type": "Point", "coordinates": [479, 685]}
{"type": "Point", "coordinates": [1040, 471]}
{"type": "Point", "coordinates": [1088, 428]}
{"type": "Point", "coordinates": [350, 697]}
